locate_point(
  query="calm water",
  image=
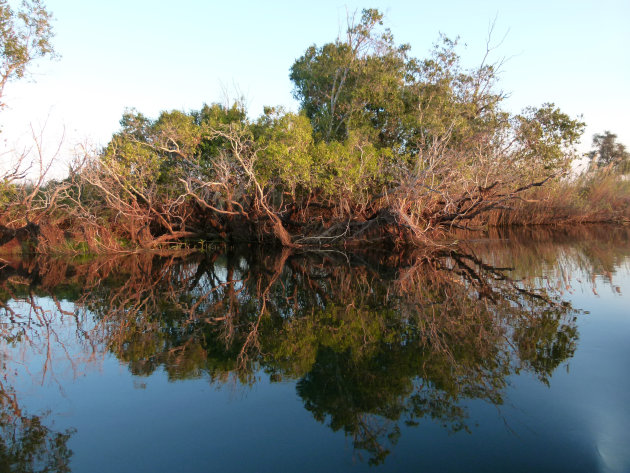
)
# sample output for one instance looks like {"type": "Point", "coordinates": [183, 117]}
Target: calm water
{"type": "Point", "coordinates": [509, 353]}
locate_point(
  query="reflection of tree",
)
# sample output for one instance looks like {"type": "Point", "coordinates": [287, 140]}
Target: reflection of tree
{"type": "Point", "coordinates": [594, 250]}
{"type": "Point", "coordinates": [375, 342]}
{"type": "Point", "coordinates": [446, 335]}
{"type": "Point", "coordinates": [26, 444]}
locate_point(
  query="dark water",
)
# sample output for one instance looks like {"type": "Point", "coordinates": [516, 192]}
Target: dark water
{"type": "Point", "coordinates": [508, 353]}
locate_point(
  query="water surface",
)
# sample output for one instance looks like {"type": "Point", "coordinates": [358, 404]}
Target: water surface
{"type": "Point", "coordinates": [506, 353]}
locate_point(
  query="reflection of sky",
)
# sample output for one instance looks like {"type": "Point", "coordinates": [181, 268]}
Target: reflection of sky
{"type": "Point", "coordinates": [605, 333]}
{"type": "Point", "coordinates": [587, 402]}
{"type": "Point", "coordinates": [613, 442]}
{"type": "Point", "coordinates": [57, 351]}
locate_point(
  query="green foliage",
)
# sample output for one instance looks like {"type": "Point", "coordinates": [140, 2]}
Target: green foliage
{"type": "Point", "coordinates": [365, 83]}
{"type": "Point", "coordinates": [444, 100]}
{"type": "Point", "coordinates": [547, 137]}
{"type": "Point", "coordinates": [371, 108]}
{"type": "Point", "coordinates": [132, 161]}
{"type": "Point", "coordinates": [349, 169]}
{"type": "Point", "coordinates": [608, 152]}
{"type": "Point", "coordinates": [217, 116]}
{"type": "Point", "coordinates": [176, 133]}
{"type": "Point", "coordinates": [426, 138]}
{"type": "Point", "coordinates": [286, 157]}
{"type": "Point", "coordinates": [147, 153]}
{"type": "Point", "coordinates": [176, 145]}
{"type": "Point", "coordinates": [8, 191]}
{"type": "Point", "coordinates": [25, 35]}
{"type": "Point", "coordinates": [352, 84]}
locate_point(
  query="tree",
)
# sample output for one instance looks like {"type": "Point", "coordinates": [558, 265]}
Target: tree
{"type": "Point", "coordinates": [25, 35]}
{"type": "Point", "coordinates": [607, 152]}
{"type": "Point", "coordinates": [367, 84]}
{"type": "Point", "coordinates": [547, 137]}
{"type": "Point", "coordinates": [385, 147]}
{"type": "Point", "coordinates": [353, 82]}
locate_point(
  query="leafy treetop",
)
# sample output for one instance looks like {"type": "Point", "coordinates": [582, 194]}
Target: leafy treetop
{"type": "Point", "coordinates": [25, 35]}
{"type": "Point", "coordinates": [607, 152]}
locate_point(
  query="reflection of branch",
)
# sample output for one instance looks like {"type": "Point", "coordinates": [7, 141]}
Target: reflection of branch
{"type": "Point", "coordinates": [251, 341]}
{"type": "Point", "coordinates": [360, 331]}
{"type": "Point", "coordinates": [368, 436]}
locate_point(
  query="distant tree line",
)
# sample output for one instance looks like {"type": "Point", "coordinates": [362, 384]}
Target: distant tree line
{"type": "Point", "coordinates": [608, 153]}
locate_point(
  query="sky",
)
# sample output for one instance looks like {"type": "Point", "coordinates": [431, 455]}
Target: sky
{"type": "Point", "coordinates": [157, 55]}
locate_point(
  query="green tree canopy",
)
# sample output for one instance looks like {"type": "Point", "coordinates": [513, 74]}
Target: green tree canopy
{"type": "Point", "coordinates": [606, 151]}
{"type": "Point", "coordinates": [25, 35]}
{"type": "Point", "coordinates": [367, 84]}
{"type": "Point", "coordinates": [353, 83]}
{"type": "Point", "coordinates": [383, 142]}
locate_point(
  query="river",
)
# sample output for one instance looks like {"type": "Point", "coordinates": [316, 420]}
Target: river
{"type": "Point", "coordinates": [507, 352]}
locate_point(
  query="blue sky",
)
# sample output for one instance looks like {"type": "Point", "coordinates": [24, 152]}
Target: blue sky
{"type": "Point", "coordinates": [155, 55]}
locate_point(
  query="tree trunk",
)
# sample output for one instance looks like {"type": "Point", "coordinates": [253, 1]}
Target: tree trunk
{"type": "Point", "coordinates": [27, 232]}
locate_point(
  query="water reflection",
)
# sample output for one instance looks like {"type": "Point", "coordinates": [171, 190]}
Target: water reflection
{"type": "Point", "coordinates": [374, 341]}
{"type": "Point", "coordinates": [26, 443]}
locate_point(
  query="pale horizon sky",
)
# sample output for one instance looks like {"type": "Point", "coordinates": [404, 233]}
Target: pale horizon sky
{"type": "Point", "coordinates": [156, 56]}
